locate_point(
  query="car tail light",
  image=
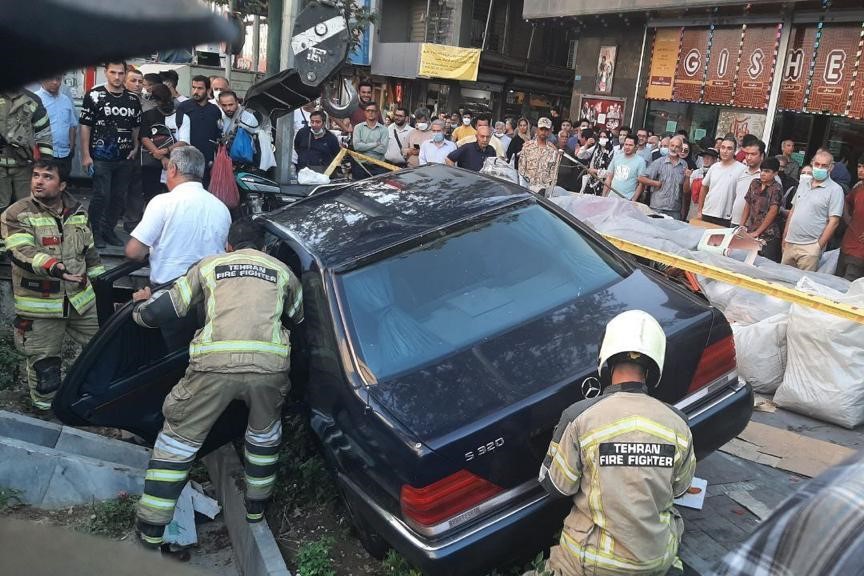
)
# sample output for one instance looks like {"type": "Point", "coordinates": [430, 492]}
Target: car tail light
{"type": "Point", "coordinates": [445, 498]}
{"type": "Point", "coordinates": [717, 359]}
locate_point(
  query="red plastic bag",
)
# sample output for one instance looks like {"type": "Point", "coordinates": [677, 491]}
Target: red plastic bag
{"type": "Point", "coordinates": [222, 183]}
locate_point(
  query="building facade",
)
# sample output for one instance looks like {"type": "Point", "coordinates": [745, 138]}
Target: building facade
{"type": "Point", "coordinates": [780, 70]}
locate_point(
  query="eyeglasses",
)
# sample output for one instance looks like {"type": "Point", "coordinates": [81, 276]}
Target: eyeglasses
{"type": "Point", "coordinates": [372, 110]}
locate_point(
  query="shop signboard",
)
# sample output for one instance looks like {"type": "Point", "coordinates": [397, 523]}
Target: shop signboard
{"type": "Point", "coordinates": [362, 53]}
{"type": "Point", "coordinates": [856, 97]}
{"type": "Point", "coordinates": [832, 70]}
{"type": "Point", "coordinates": [452, 62]}
{"type": "Point", "coordinates": [756, 68]}
{"type": "Point", "coordinates": [690, 72]}
{"type": "Point", "coordinates": [603, 111]}
{"type": "Point", "coordinates": [664, 59]}
{"type": "Point", "coordinates": [796, 69]}
{"type": "Point", "coordinates": [722, 63]}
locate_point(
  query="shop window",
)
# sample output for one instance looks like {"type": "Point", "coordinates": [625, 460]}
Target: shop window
{"type": "Point", "coordinates": [668, 117]}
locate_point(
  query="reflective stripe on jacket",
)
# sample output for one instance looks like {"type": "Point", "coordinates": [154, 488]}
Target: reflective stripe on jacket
{"type": "Point", "coordinates": [36, 239]}
{"type": "Point", "coordinates": [245, 295]}
{"type": "Point", "coordinates": [623, 457]}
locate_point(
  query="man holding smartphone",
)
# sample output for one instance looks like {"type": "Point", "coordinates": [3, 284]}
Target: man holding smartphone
{"type": "Point", "coordinates": [422, 133]}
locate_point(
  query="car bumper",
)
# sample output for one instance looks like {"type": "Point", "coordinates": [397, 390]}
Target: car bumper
{"type": "Point", "coordinates": [477, 549]}
{"type": "Point", "coordinates": [717, 413]}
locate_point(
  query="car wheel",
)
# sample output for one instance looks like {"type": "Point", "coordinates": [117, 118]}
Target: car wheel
{"type": "Point", "coordinates": [372, 542]}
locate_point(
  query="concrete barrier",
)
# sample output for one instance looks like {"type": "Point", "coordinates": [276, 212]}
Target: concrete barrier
{"type": "Point", "coordinates": [254, 546]}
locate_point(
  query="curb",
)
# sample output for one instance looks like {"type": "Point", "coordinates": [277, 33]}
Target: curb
{"type": "Point", "coordinates": [254, 546]}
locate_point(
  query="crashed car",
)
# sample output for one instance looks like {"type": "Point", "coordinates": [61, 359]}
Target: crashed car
{"type": "Point", "coordinates": [450, 318]}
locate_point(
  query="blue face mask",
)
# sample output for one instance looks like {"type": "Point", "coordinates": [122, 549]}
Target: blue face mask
{"type": "Point", "coordinates": [820, 174]}
{"type": "Point", "coordinates": [664, 151]}
{"type": "Point", "coordinates": [438, 137]}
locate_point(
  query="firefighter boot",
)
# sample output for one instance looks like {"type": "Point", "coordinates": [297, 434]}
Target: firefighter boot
{"type": "Point", "coordinates": [255, 510]}
{"type": "Point", "coordinates": [47, 382]}
{"type": "Point", "coordinates": [150, 535]}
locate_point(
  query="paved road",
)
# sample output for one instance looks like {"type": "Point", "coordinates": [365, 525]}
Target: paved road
{"type": "Point", "coordinates": [724, 523]}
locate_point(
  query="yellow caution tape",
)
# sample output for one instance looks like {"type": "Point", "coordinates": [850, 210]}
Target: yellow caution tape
{"type": "Point", "coordinates": [358, 156]}
{"type": "Point", "coordinates": [780, 291]}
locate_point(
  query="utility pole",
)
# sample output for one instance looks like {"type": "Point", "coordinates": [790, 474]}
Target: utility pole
{"type": "Point", "coordinates": [285, 122]}
{"type": "Point", "coordinates": [274, 36]}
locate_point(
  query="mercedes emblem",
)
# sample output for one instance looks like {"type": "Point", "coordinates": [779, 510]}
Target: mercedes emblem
{"type": "Point", "coordinates": [591, 387]}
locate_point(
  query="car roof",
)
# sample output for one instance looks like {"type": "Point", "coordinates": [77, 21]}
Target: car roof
{"type": "Point", "coordinates": [342, 225]}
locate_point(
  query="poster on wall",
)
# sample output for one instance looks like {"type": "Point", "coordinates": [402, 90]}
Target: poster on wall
{"type": "Point", "coordinates": [739, 123]}
{"type": "Point", "coordinates": [690, 72]}
{"type": "Point", "coordinates": [605, 69]}
{"type": "Point", "coordinates": [664, 59]}
{"type": "Point", "coordinates": [362, 54]}
{"type": "Point", "coordinates": [603, 111]}
{"type": "Point", "coordinates": [722, 62]}
{"type": "Point", "coordinates": [832, 70]}
{"type": "Point", "coordinates": [796, 69]}
{"type": "Point", "coordinates": [756, 71]}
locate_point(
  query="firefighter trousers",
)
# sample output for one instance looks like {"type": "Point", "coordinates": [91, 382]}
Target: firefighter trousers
{"type": "Point", "coordinates": [191, 409]}
{"type": "Point", "coordinates": [563, 563]}
{"type": "Point", "coordinates": [14, 184]}
{"type": "Point", "coordinates": [40, 340]}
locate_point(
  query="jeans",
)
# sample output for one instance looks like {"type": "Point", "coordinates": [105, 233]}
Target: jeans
{"type": "Point", "coordinates": [110, 186]}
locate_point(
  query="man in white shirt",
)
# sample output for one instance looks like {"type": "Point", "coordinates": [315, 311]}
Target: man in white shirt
{"type": "Point", "coordinates": [718, 187]}
{"type": "Point", "coordinates": [398, 132]}
{"type": "Point", "coordinates": [435, 150]}
{"type": "Point", "coordinates": [184, 225]}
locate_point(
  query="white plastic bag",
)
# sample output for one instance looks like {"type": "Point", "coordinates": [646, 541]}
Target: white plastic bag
{"type": "Point", "coordinates": [308, 176]}
{"type": "Point", "coordinates": [761, 352]}
{"type": "Point", "coordinates": [825, 360]}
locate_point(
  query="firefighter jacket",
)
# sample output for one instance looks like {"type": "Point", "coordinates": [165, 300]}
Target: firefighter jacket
{"type": "Point", "coordinates": [24, 127]}
{"type": "Point", "coordinates": [38, 239]}
{"type": "Point", "coordinates": [623, 457]}
{"type": "Point", "coordinates": [245, 295]}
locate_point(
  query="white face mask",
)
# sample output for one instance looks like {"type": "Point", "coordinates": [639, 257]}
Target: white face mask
{"type": "Point", "coordinates": [422, 126]}
{"type": "Point", "coordinates": [806, 178]}
{"type": "Point", "coordinates": [216, 94]}
{"type": "Point", "coordinates": [603, 141]}
{"type": "Point", "coordinates": [466, 121]}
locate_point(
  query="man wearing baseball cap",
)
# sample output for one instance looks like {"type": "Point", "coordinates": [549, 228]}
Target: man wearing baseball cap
{"type": "Point", "coordinates": [539, 159]}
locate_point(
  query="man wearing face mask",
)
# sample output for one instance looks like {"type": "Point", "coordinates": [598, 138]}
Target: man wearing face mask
{"type": "Point", "coordinates": [421, 133]}
{"type": "Point", "coordinates": [315, 146]}
{"type": "Point", "coordinates": [150, 81]}
{"type": "Point", "coordinates": [661, 151]}
{"type": "Point", "coordinates": [816, 212]}
{"type": "Point", "coordinates": [398, 133]}
{"type": "Point", "coordinates": [464, 129]}
{"type": "Point", "coordinates": [436, 149]}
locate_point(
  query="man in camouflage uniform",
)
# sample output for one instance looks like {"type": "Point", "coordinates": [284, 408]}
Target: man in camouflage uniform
{"type": "Point", "coordinates": [622, 457]}
{"type": "Point", "coordinates": [53, 258]}
{"type": "Point", "coordinates": [242, 352]}
{"type": "Point", "coordinates": [25, 132]}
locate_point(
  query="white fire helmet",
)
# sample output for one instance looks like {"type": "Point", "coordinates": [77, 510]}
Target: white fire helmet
{"type": "Point", "coordinates": [638, 335]}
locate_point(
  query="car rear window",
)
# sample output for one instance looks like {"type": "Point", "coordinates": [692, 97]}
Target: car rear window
{"type": "Point", "coordinates": [429, 302]}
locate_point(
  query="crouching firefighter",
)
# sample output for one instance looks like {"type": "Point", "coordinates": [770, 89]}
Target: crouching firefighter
{"type": "Point", "coordinates": [242, 353]}
{"type": "Point", "coordinates": [622, 457]}
{"type": "Point", "coordinates": [50, 244]}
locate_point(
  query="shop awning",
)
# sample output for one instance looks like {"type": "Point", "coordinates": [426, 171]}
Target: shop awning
{"type": "Point", "coordinates": [561, 8]}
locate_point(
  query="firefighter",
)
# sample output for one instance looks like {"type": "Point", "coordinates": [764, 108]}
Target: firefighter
{"type": "Point", "coordinates": [622, 457]}
{"type": "Point", "coordinates": [242, 352]}
{"type": "Point", "coordinates": [53, 258]}
{"type": "Point", "coordinates": [25, 134]}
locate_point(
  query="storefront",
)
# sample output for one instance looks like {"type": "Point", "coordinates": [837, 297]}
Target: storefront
{"type": "Point", "coordinates": [791, 80]}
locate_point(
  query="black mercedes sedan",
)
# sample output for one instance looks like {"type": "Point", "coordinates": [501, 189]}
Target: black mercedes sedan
{"type": "Point", "coordinates": [450, 318]}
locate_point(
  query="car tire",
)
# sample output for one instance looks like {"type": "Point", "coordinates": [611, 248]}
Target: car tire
{"type": "Point", "coordinates": [372, 542]}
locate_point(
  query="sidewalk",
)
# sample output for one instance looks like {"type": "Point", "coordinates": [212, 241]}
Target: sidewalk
{"type": "Point", "coordinates": [741, 492]}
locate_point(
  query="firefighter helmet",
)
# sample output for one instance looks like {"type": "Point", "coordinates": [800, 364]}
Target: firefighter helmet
{"type": "Point", "coordinates": [633, 336]}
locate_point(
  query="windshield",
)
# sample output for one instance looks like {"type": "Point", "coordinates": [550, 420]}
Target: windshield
{"type": "Point", "coordinates": [434, 300]}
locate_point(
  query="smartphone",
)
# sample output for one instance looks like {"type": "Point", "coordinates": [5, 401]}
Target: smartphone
{"type": "Point", "coordinates": [416, 146]}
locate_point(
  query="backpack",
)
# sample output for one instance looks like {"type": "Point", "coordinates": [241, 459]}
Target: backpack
{"type": "Point", "coordinates": [16, 123]}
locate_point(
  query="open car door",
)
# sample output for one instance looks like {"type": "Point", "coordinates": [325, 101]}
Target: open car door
{"type": "Point", "coordinates": [123, 375]}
